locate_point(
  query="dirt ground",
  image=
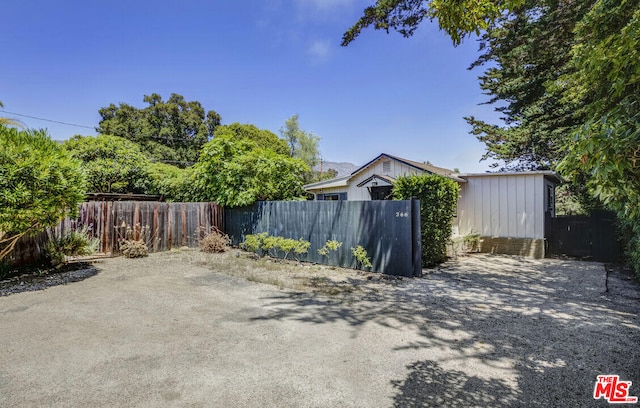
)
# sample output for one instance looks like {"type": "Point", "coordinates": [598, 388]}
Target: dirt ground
{"type": "Point", "coordinates": [193, 330]}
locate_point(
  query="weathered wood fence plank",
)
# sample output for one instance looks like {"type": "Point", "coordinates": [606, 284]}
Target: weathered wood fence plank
{"type": "Point", "coordinates": [164, 226]}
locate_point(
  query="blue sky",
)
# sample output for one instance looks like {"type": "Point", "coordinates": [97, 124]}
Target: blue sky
{"type": "Point", "coordinates": [252, 61]}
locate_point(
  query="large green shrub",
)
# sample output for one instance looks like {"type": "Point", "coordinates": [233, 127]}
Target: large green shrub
{"type": "Point", "coordinates": [438, 199]}
{"type": "Point", "coordinates": [40, 184]}
{"type": "Point", "coordinates": [171, 182]}
{"type": "Point", "coordinates": [112, 164]}
{"type": "Point", "coordinates": [236, 173]}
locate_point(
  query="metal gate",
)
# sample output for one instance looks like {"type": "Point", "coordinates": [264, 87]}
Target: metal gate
{"type": "Point", "coordinates": [592, 237]}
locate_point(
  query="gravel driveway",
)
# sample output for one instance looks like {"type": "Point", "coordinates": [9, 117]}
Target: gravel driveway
{"type": "Point", "coordinates": [483, 330]}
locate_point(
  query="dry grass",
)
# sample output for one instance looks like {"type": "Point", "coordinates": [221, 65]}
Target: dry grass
{"type": "Point", "coordinates": [288, 275]}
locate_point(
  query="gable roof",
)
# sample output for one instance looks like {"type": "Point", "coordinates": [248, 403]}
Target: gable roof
{"type": "Point", "coordinates": [429, 168]}
{"type": "Point", "coordinates": [387, 179]}
{"type": "Point", "coordinates": [425, 167]}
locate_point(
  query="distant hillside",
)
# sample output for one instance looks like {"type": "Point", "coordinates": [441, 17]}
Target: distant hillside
{"type": "Point", "coordinates": [343, 168]}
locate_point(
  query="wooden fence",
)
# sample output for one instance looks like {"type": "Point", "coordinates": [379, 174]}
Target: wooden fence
{"type": "Point", "coordinates": [162, 225]}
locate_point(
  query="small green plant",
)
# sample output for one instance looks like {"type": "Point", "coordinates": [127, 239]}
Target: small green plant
{"type": "Point", "coordinates": [361, 257]}
{"type": "Point", "coordinates": [215, 242]}
{"type": "Point", "coordinates": [72, 243]}
{"type": "Point", "coordinates": [300, 247]}
{"type": "Point", "coordinates": [270, 245]}
{"type": "Point", "coordinates": [330, 247]}
{"type": "Point", "coordinates": [471, 242]}
{"type": "Point", "coordinates": [466, 244]}
{"type": "Point", "coordinates": [265, 244]}
{"type": "Point", "coordinates": [254, 242]}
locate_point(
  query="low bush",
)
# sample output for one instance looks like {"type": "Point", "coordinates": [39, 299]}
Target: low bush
{"type": "Point", "coordinates": [72, 243]}
{"type": "Point", "coordinates": [263, 244]}
{"type": "Point", "coordinates": [215, 242]}
{"type": "Point", "coordinates": [464, 245]}
{"type": "Point", "coordinates": [132, 248]}
{"type": "Point", "coordinates": [471, 242]}
{"type": "Point", "coordinates": [298, 247]}
{"type": "Point", "coordinates": [135, 242]}
{"type": "Point", "coordinates": [254, 242]}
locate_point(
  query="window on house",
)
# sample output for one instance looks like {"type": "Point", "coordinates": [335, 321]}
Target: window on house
{"type": "Point", "coordinates": [333, 197]}
{"type": "Point", "coordinates": [386, 166]}
{"type": "Point", "coordinates": [550, 199]}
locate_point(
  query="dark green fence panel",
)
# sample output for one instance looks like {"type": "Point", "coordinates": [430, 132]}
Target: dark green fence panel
{"type": "Point", "coordinates": [388, 230]}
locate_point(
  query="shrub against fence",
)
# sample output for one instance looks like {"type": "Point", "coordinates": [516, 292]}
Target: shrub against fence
{"type": "Point", "coordinates": [388, 230]}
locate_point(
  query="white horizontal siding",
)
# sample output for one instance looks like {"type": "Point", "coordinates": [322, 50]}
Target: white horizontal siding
{"type": "Point", "coordinates": [509, 206]}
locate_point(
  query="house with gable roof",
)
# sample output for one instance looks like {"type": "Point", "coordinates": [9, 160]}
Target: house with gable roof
{"type": "Point", "coordinates": [374, 180]}
{"type": "Point", "coordinates": [506, 209]}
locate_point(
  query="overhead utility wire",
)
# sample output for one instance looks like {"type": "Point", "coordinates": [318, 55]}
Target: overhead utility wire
{"type": "Point", "coordinates": [47, 120]}
{"type": "Point", "coordinates": [97, 129]}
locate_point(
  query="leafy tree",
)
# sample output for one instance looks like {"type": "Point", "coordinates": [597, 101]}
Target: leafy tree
{"type": "Point", "coordinates": [526, 46]}
{"type": "Point", "coordinates": [236, 172]}
{"type": "Point", "coordinates": [261, 137]}
{"type": "Point", "coordinates": [302, 145]}
{"type": "Point", "coordinates": [112, 164]}
{"type": "Point", "coordinates": [326, 175]}
{"type": "Point", "coordinates": [40, 184]}
{"type": "Point", "coordinates": [171, 182]}
{"type": "Point", "coordinates": [526, 51]}
{"type": "Point", "coordinates": [605, 83]}
{"type": "Point", "coordinates": [172, 131]}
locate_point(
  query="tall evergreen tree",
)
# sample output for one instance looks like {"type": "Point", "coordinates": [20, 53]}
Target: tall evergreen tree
{"type": "Point", "coordinates": [526, 51]}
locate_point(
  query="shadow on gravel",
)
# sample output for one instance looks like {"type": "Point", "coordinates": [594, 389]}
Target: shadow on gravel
{"type": "Point", "coordinates": [546, 327]}
{"type": "Point", "coordinates": [33, 282]}
{"type": "Point", "coordinates": [429, 385]}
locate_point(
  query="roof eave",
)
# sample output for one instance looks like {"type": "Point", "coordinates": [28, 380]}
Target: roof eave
{"type": "Point", "coordinates": [334, 182]}
{"type": "Point", "coordinates": [547, 174]}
